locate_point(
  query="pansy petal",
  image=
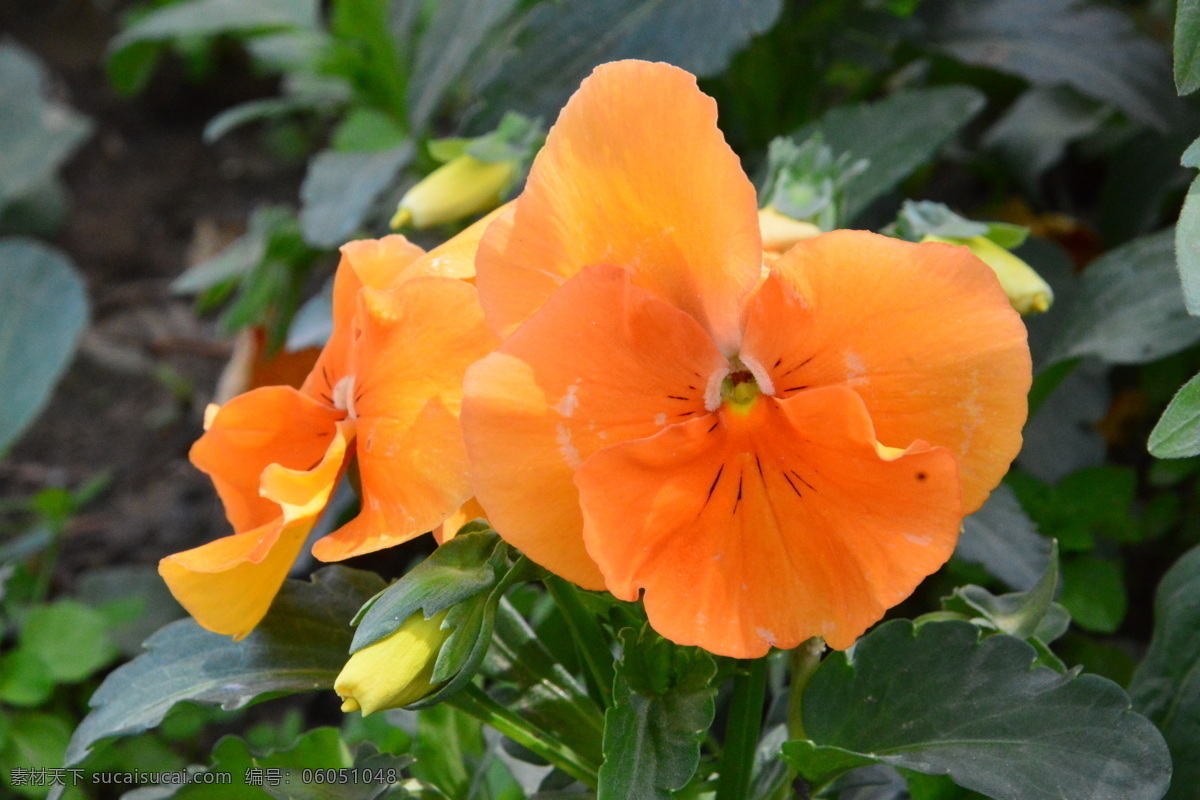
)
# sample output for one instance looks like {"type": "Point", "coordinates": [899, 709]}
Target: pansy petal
{"type": "Point", "coordinates": [468, 512]}
{"type": "Point", "coordinates": [923, 332]}
{"type": "Point", "coordinates": [603, 361]}
{"type": "Point", "coordinates": [634, 174]}
{"type": "Point", "coordinates": [759, 531]}
{"type": "Point", "coordinates": [272, 425]}
{"type": "Point", "coordinates": [454, 258]}
{"type": "Point", "coordinates": [414, 344]}
{"type": "Point", "coordinates": [371, 263]}
{"type": "Point", "coordinates": [228, 585]}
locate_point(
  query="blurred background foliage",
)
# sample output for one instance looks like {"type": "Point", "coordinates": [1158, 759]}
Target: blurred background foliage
{"type": "Point", "coordinates": [1057, 116]}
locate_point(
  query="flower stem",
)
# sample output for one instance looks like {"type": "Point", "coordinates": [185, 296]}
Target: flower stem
{"type": "Point", "coordinates": [742, 729]}
{"type": "Point", "coordinates": [588, 637]}
{"type": "Point", "coordinates": [476, 702]}
{"type": "Point", "coordinates": [805, 660]}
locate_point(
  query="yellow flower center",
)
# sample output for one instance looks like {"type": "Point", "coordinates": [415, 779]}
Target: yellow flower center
{"type": "Point", "coordinates": [739, 391]}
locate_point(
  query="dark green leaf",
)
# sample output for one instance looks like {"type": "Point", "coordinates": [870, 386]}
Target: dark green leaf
{"type": "Point", "coordinates": [663, 702]}
{"type": "Point", "coordinates": [1177, 434]}
{"type": "Point", "coordinates": [1166, 687]}
{"type": "Point", "coordinates": [895, 135]}
{"type": "Point", "coordinates": [300, 646]}
{"type": "Point", "coordinates": [1093, 49]}
{"type": "Point", "coordinates": [210, 17]}
{"type": "Point", "coordinates": [1020, 614]}
{"type": "Point", "coordinates": [943, 700]}
{"type": "Point", "coordinates": [340, 189]}
{"type": "Point", "coordinates": [24, 680]}
{"type": "Point", "coordinates": [43, 312]}
{"type": "Point", "coordinates": [36, 135]}
{"type": "Point", "coordinates": [1004, 540]}
{"type": "Point", "coordinates": [1094, 593]}
{"type": "Point", "coordinates": [564, 41]}
{"type": "Point", "coordinates": [240, 257]}
{"type": "Point", "coordinates": [34, 741]}
{"type": "Point", "coordinates": [1130, 308]}
{"type": "Point", "coordinates": [1034, 132]}
{"type": "Point", "coordinates": [1187, 46]}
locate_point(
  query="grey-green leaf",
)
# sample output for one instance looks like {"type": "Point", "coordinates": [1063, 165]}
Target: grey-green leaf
{"type": "Point", "coordinates": [896, 135]}
{"type": "Point", "coordinates": [1004, 540]}
{"type": "Point", "coordinates": [301, 645]}
{"type": "Point", "coordinates": [340, 189]}
{"type": "Point", "coordinates": [662, 705]}
{"type": "Point", "coordinates": [211, 17]}
{"type": "Point", "coordinates": [1166, 687]}
{"type": "Point", "coordinates": [564, 41]}
{"type": "Point", "coordinates": [941, 700]}
{"type": "Point", "coordinates": [1187, 242]}
{"type": "Point", "coordinates": [1177, 434]}
{"type": "Point", "coordinates": [1187, 46]}
{"type": "Point", "coordinates": [1129, 308]}
{"type": "Point", "coordinates": [43, 312]}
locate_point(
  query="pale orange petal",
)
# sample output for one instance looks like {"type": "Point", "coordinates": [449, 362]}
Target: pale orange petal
{"type": "Point", "coordinates": [634, 174]}
{"type": "Point", "coordinates": [603, 361]}
{"type": "Point", "coordinates": [454, 258]}
{"type": "Point", "coordinates": [414, 344]}
{"type": "Point", "coordinates": [468, 512]}
{"type": "Point", "coordinates": [923, 332]}
{"type": "Point", "coordinates": [272, 425]}
{"type": "Point", "coordinates": [373, 263]}
{"type": "Point", "coordinates": [228, 585]}
{"type": "Point", "coordinates": [760, 531]}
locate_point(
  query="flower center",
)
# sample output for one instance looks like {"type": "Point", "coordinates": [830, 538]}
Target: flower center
{"type": "Point", "coordinates": [343, 396]}
{"type": "Point", "coordinates": [739, 391]}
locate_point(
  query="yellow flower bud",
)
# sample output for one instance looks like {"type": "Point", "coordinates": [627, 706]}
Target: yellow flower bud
{"type": "Point", "coordinates": [459, 188]}
{"type": "Point", "coordinates": [1026, 290]}
{"type": "Point", "coordinates": [780, 232]}
{"type": "Point", "coordinates": [396, 670]}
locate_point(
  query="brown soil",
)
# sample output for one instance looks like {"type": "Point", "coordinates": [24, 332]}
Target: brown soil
{"type": "Point", "coordinates": [145, 189]}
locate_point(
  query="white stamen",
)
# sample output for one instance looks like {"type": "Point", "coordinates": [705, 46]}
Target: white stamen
{"type": "Point", "coordinates": [712, 391]}
{"type": "Point", "coordinates": [761, 376]}
{"type": "Point", "coordinates": [343, 396]}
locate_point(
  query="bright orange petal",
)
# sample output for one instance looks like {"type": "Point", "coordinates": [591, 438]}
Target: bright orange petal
{"type": "Point", "coordinates": [272, 425]}
{"type": "Point", "coordinates": [373, 263]}
{"type": "Point", "coordinates": [454, 258]}
{"type": "Point", "coordinates": [228, 585]}
{"type": "Point", "coordinates": [923, 332]}
{"type": "Point", "coordinates": [415, 342]}
{"type": "Point", "coordinates": [603, 361]}
{"type": "Point", "coordinates": [468, 512]}
{"type": "Point", "coordinates": [634, 174]}
{"type": "Point", "coordinates": [760, 531]}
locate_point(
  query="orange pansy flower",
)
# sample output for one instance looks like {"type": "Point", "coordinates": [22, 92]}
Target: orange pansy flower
{"type": "Point", "coordinates": [385, 392]}
{"type": "Point", "coordinates": [768, 450]}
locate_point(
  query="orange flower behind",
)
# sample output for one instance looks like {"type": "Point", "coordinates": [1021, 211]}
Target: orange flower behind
{"type": "Point", "coordinates": [385, 394]}
{"type": "Point", "coordinates": [768, 451]}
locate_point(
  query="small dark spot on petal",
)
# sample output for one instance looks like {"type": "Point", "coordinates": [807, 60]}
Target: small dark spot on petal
{"type": "Point", "coordinates": [921, 476]}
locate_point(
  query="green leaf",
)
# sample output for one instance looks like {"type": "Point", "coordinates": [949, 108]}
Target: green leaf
{"type": "Point", "coordinates": [1187, 240]}
{"type": "Point", "coordinates": [1187, 46]}
{"type": "Point", "coordinates": [300, 646]}
{"type": "Point", "coordinates": [36, 135]}
{"type": "Point", "coordinates": [943, 700]}
{"type": "Point", "coordinates": [1166, 687]}
{"type": "Point", "coordinates": [241, 256]}
{"type": "Point", "coordinates": [1094, 593]}
{"type": "Point", "coordinates": [69, 638]}
{"type": "Point", "coordinates": [1177, 434]}
{"type": "Point", "coordinates": [1093, 49]}
{"type": "Point", "coordinates": [562, 43]}
{"type": "Point", "coordinates": [367, 130]}
{"type": "Point", "coordinates": [895, 135]}
{"type": "Point", "coordinates": [663, 702]}
{"type": "Point", "coordinates": [340, 189]}
{"type": "Point", "coordinates": [43, 312]}
{"type": "Point", "coordinates": [1129, 308]}
{"type": "Point", "coordinates": [24, 679]}
{"type": "Point", "coordinates": [194, 18]}
{"type": "Point", "coordinates": [35, 741]}
{"type": "Point", "coordinates": [1004, 540]}
{"type": "Point", "coordinates": [1021, 614]}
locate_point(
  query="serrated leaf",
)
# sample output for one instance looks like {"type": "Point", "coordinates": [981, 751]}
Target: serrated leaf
{"type": "Point", "coordinates": [43, 312]}
{"type": "Point", "coordinates": [210, 17]}
{"type": "Point", "coordinates": [1129, 308]}
{"type": "Point", "coordinates": [339, 190]}
{"type": "Point", "coordinates": [1166, 687]}
{"type": "Point", "coordinates": [562, 43]}
{"type": "Point", "coordinates": [1093, 49]}
{"type": "Point", "coordinates": [1177, 434]}
{"type": "Point", "coordinates": [941, 700]}
{"type": "Point", "coordinates": [1004, 540]}
{"type": "Point", "coordinates": [300, 646]}
{"type": "Point", "coordinates": [896, 135]}
{"type": "Point", "coordinates": [663, 702]}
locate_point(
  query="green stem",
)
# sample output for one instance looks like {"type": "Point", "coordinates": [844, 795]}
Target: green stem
{"type": "Point", "coordinates": [805, 660]}
{"type": "Point", "coordinates": [742, 729]}
{"type": "Point", "coordinates": [588, 636]}
{"type": "Point", "coordinates": [476, 702]}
